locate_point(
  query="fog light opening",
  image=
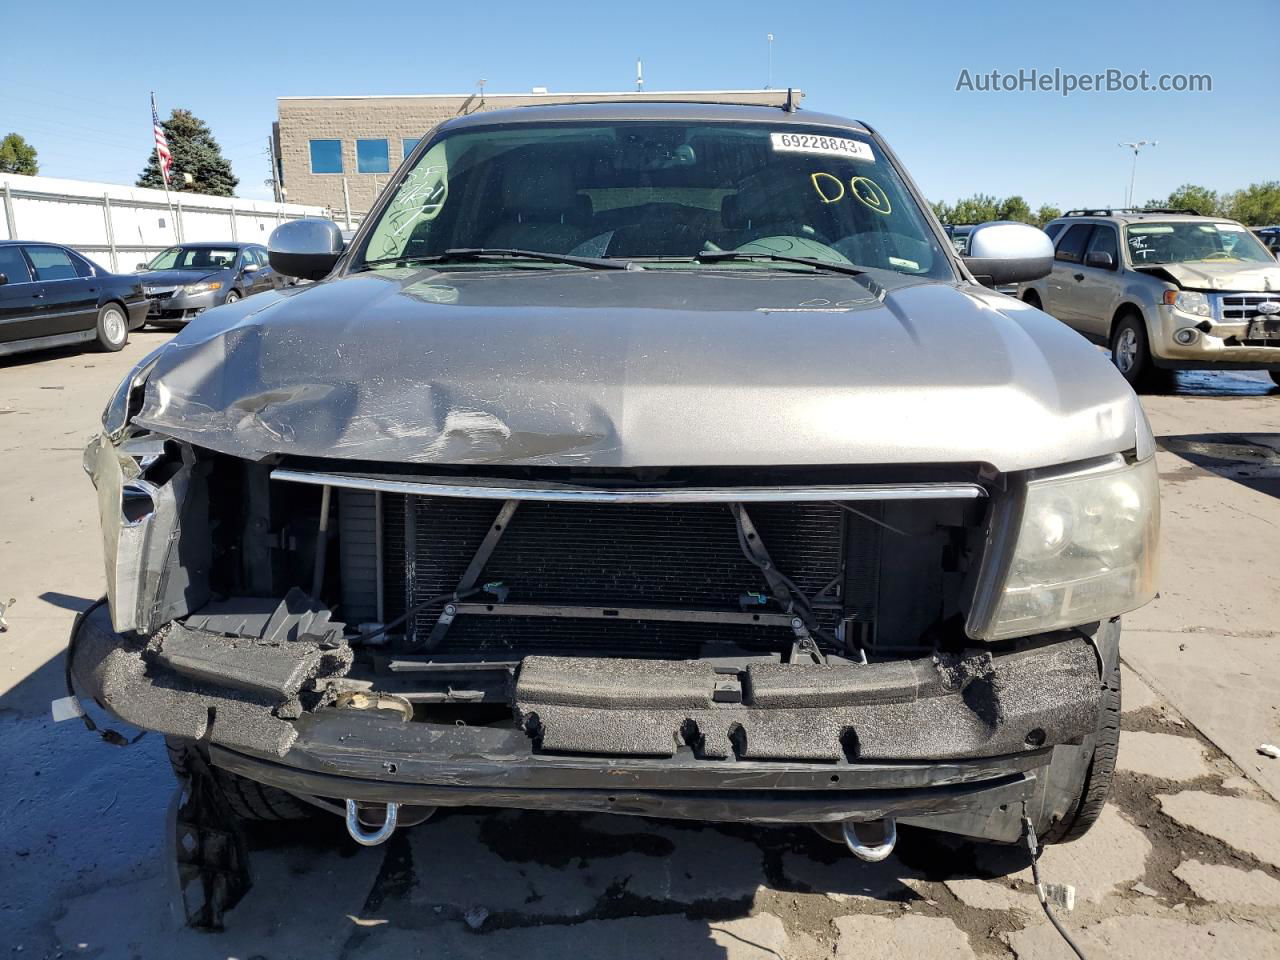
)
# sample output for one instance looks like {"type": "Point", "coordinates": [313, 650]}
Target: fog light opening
{"type": "Point", "coordinates": [137, 502]}
{"type": "Point", "coordinates": [1187, 336]}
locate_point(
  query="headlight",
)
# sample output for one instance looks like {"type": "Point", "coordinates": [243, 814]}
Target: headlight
{"type": "Point", "coordinates": [121, 405]}
{"type": "Point", "coordinates": [1189, 301]}
{"type": "Point", "coordinates": [1086, 550]}
{"type": "Point", "coordinates": [209, 287]}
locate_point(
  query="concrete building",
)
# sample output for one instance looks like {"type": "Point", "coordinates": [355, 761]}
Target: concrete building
{"type": "Point", "coordinates": [329, 149]}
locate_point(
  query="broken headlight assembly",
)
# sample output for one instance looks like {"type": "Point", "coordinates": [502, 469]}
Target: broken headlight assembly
{"type": "Point", "coordinates": [127, 398]}
{"type": "Point", "coordinates": [1085, 551]}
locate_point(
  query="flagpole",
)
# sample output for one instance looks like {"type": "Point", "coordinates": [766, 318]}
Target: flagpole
{"type": "Point", "coordinates": [164, 173]}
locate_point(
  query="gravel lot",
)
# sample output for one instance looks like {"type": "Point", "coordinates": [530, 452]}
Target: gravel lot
{"type": "Point", "coordinates": [1185, 863]}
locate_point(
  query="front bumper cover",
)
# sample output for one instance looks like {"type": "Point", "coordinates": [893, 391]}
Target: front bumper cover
{"type": "Point", "coordinates": [963, 743]}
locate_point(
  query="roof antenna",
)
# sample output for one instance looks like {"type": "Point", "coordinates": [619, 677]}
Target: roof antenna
{"type": "Point", "coordinates": [639, 76]}
{"type": "Point", "coordinates": [790, 105]}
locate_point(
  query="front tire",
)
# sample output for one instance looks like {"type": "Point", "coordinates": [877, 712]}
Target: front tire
{"type": "Point", "coordinates": [1095, 786]}
{"type": "Point", "coordinates": [248, 799]}
{"type": "Point", "coordinates": [1131, 353]}
{"type": "Point", "coordinates": [232, 297]}
{"type": "Point", "coordinates": [1032, 299]}
{"type": "Point", "coordinates": [113, 328]}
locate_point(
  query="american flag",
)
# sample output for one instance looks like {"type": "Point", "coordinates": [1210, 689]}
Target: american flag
{"type": "Point", "coordinates": [162, 143]}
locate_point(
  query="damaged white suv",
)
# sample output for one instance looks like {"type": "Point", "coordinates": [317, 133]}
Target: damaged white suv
{"type": "Point", "coordinates": [1164, 290]}
{"type": "Point", "coordinates": [657, 459]}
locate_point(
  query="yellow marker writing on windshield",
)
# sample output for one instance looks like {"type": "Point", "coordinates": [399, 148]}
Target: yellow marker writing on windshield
{"type": "Point", "coordinates": [871, 194]}
{"type": "Point", "coordinates": [831, 184]}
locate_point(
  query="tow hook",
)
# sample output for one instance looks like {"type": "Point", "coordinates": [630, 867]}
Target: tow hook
{"type": "Point", "coordinates": [372, 838]}
{"type": "Point", "coordinates": [870, 852]}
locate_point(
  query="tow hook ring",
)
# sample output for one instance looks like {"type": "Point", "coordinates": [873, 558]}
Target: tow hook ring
{"type": "Point", "coordinates": [371, 838]}
{"type": "Point", "coordinates": [871, 852]}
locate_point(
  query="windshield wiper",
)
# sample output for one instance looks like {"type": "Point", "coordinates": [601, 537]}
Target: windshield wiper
{"type": "Point", "coordinates": [716, 256]}
{"type": "Point", "coordinates": [471, 254]}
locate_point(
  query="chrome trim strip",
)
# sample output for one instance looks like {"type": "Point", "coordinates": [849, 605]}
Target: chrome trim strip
{"type": "Point", "coordinates": [509, 490]}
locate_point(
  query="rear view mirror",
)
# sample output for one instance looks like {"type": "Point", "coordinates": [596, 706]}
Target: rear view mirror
{"type": "Point", "coordinates": [3, 279]}
{"type": "Point", "coordinates": [306, 248]}
{"type": "Point", "coordinates": [1100, 258]}
{"type": "Point", "coordinates": [1003, 252]}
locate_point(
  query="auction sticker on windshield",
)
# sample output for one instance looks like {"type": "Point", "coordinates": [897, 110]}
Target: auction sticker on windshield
{"type": "Point", "coordinates": [813, 143]}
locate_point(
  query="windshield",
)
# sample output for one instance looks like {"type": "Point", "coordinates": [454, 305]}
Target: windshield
{"type": "Point", "coordinates": [194, 258]}
{"type": "Point", "coordinates": [647, 190]}
{"type": "Point", "coordinates": [1193, 242]}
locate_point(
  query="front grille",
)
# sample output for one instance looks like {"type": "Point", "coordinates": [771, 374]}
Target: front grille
{"type": "Point", "coordinates": [673, 556]}
{"type": "Point", "coordinates": [1244, 306]}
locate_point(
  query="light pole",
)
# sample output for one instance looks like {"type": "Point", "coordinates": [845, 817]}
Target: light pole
{"type": "Point", "coordinates": [1135, 146]}
{"type": "Point", "coordinates": [769, 85]}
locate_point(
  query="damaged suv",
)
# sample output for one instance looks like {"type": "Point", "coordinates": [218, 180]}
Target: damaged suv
{"type": "Point", "coordinates": [649, 458]}
{"type": "Point", "coordinates": [1164, 290]}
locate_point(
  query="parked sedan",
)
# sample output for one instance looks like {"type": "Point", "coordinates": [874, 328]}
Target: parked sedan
{"type": "Point", "coordinates": [51, 296]}
{"type": "Point", "coordinates": [185, 281]}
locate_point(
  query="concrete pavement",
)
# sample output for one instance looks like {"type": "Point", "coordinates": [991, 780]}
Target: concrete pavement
{"type": "Point", "coordinates": [1185, 863]}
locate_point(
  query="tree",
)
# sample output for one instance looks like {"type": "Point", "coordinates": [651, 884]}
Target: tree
{"type": "Point", "coordinates": [18, 156]}
{"type": "Point", "coordinates": [1046, 213]}
{"type": "Point", "coordinates": [1257, 205]}
{"type": "Point", "coordinates": [976, 209]}
{"type": "Point", "coordinates": [1014, 208]}
{"type": "Point", "coordinates": [1189, 196]}
{"type": "Point", "coordinates": [195, 153]}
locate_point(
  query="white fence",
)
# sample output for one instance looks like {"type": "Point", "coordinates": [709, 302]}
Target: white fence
{"type": "Point", "coordinates": [121, 226]}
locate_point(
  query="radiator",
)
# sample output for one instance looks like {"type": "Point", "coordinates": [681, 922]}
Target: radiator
{"type": "Point", "coordinates": [651, 556]}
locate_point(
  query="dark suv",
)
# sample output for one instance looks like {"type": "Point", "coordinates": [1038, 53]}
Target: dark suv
{"type": "Point", "coordinates": [656, 459]}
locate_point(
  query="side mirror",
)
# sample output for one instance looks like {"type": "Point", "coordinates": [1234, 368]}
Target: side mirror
{"type": "Point", "coordinates": [1006, 252]}
{"type": "Point", "coordinates": [249, 268]}
{"type": "Point", "coordinates": [306, 248]}
{"type": "Point", "coordinates": [1101, 259]}
{"type": "Point", "coordinates": [142, 268]}
{"type": "Point", "coordinates": [4, 278]}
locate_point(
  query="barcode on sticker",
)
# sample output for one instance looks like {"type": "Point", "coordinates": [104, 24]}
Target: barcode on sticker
{"type": "Point", "coordinates": [814, 143]}
{"type": "Point", "coordinates": [66, 708]}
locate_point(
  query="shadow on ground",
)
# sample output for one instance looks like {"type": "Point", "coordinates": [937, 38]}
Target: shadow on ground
{"type": "Point", "coordinates": [1250, 459]}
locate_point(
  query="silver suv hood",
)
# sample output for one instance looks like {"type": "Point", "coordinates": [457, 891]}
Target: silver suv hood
{"type": "Point", "coordinates": [654, 368]}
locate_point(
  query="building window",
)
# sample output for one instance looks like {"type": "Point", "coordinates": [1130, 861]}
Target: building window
{"type": "Point", "coordinates": [372, 156]}
{"type": "Point", "coordinates": [326, 156]}
{"type": "Point", "coordinates": [409, 144]}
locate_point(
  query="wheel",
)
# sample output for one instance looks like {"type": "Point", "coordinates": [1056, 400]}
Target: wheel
{"type": "Point", "coordinates": [1031, 298]}
{"type": "Point", "coordinates": [113, 328]}
{"type": "Point", "coordinates": [248, 799]}
{"type": "Point", "coordinates": [1131, 353]}
{"type": "Point", "coordinates": [1095, 786]}
{"type": "Point", "coordinates": [232, 297]}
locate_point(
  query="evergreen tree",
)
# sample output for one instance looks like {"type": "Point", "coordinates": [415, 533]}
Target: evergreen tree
{"type": "Point", "coordinates": [195, 154]}
{"type": "Point", "coordinates": [18, 156]}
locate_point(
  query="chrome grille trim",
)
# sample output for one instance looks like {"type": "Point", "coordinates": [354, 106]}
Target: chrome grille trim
{"type": "Point", "coordinates": [1243, 306]}
{"type": "Point", "coordinates": [566, 493]}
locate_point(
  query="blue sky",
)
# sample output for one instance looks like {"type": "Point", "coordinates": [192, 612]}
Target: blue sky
{"type": "Point", "coordinates": [76, 83]}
